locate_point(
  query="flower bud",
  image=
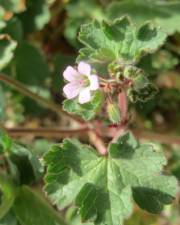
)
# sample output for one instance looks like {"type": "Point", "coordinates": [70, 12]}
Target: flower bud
{"type": "Point", "coordinates": [137, 76]}
{"type": "Point", "coordinates": [140, 82]}
{"type": "Point", "coordinates": [113, 112]}
{"type": "Point", "coordinates": [115, 70]}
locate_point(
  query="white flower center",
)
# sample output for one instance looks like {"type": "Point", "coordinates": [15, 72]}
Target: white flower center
{"type": "Point", "coordinates": [84, 81]}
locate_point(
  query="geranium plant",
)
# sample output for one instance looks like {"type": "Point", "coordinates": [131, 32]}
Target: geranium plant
{"type": "Point", "coordinates": [103, 179]}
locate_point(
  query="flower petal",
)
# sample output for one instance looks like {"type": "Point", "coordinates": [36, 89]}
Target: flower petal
{"type": "Point", "coordinates": [94, 82]}
{"type": "Point", "coordinates": [84, 68]}
{"type": "Point", "coordinates": [84, 96]}
{"type": "Point", "coordinates": [70, 74]}
{"type": "Point", "coordinates": [71, 90]}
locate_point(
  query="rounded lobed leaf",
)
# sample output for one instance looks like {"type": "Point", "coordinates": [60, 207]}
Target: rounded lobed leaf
{"type": "Point", "coordinates": [103, 187]}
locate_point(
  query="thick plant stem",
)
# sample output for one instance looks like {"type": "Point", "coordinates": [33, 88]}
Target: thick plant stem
{"type": "Point", "coordinates": [121, 130]}
{"type": "Point", "coordinates": [98, 143]}
{"type": "Point", "coordinates": [45, 132]}
{"type": "Point", "coordinates": [42, 101]}
{"type": "Point", "coordinates": [53, 133]}
{"type": "Point", "coordinates": [123, 106]}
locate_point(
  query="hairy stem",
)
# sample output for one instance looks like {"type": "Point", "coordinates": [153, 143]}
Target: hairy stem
{"type": "Point", "coordinates": [121, 130]}
{"type": "Point", "coordinates": [46, 132]}
{"type": "Point", "coordinates": [123, 106]}
{"type": "Point", "coordinates": [98, 143]}
{"type": "Point", "coordinates": [42, 101]}
{"type": "Point", "coordinates": [53, 133]}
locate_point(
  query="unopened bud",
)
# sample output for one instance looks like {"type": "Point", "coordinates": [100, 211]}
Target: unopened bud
{"type": "Point", "coordinates": [130, 72]}
{"type": "Point", "coordinates": [140, 82]}
{"type": "Point", "coordinates": [113, 112]}
{"type": "Point", "coordinates": [115, 70]}
{"type": "Point", "coordinates": [137, 76]}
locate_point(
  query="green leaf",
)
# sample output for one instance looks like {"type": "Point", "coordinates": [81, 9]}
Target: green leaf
{"type": "Point", "coordinates": [8, 195]}
{"type": "Point", "coordinates": [13, 5]}
{"type": "Point", "coordinates": [80, 12]}
{"type": "Point", "coordinates": [102, 187]}
{"type": "Point", "coordinates": [23, 165]}
{"type": "Point", "coordinates": [88, 110]}
{"type": "Point", "coordinates": [119, 41]}
{"type": "Point", "coordinates": [176, 170]}
{"type": "Point", "coordinates": [141, 88]}
{"type": "Point", "coordinates": [7, 47]}
{"type": "Point", "coordinates": [40, 147]}
{"type": "Point", "coordinates": [5, 142]}
{"type": "Point", "coordinates": [9, 219]}
{"type": "Point", "coordinates": [142, 94]}
{"type": "Point", "coordinates": [74, 218]}
{"type": "Point", "coordinates": [175, 162]}
{"type": "Point", "coordinates": [31, 209]}
{"type": "Point", "coordinates": [164, 14]}
{"type": "Point", "coordinates": [14, 29]}
{"type": "Point", "coordinates": [36, 16]}
{"type": "Point", "coordinates": [113, 113]}
{"type": "Point", "coordinates": [28, 166]}
{"type": "Point", "coordinates": [32, 71]}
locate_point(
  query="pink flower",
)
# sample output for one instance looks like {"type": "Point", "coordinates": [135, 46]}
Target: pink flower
{"type": "Point", "coordinates": [81, 82]}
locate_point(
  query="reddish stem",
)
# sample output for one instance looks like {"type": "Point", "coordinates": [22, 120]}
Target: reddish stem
{"type": "Point", "coordinates": [46, 132]}
{"type": "Point", "coordinates": [123, 105]}
{"type": "Point", "coordinates": [121, 130]}
{"type": "Point", "coordinates": [97, 142]}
